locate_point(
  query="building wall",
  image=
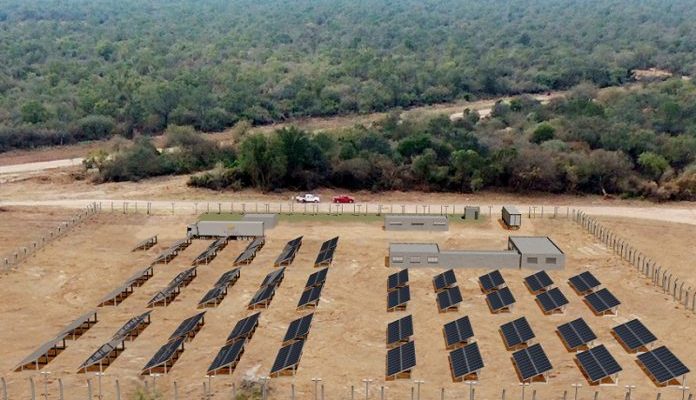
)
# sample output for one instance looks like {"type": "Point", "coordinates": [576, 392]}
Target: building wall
{"type": "Point", "coordinates": [542, 261]}
{"type": "Point", "coordinates": [480, 259]}
{"type": "Point", "coordinates": [416, 223]}
{"type": "Point", "coordinates": [269, 220]}
{"type": "Point", "coordinates": [511, 216]}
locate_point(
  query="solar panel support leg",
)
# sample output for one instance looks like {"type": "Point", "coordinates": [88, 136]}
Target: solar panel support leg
{"type": "Point", "coordinates": [60, 389]}
{"type": "Point", "coordinates": [33, 389]}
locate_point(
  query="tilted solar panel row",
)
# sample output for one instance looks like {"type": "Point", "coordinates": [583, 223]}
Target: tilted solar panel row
{"type": "Point", "coordinates": [168, 294]}
{"type": "Point", "coordinates": [465, 361]}
{"type": "Point", "coordinates": [517, 332]}
{"type": "Point", "coordinates": [401, 360]}
{"type": "Point", "coordinates": [291, 248]}
{"type": "Point", "coordinates": [400, 330]}
{"type": "Point", "coordinates": [249, 253]}
{"type": "Point", "coordinates": [444, 280]}
{"type": "Point", "coordinates": [501, 299]}
{"type": "Point", "coordinates": [598, 364]}
{"type": "Point", "coordinates": [602, 301]}
{"type": "Point", "coordinates": [325, 255]}
{"type": "Point", "coordinates": [397, 280]}
{"type": "Point", "coordinates": [576, 333]}
{"type": "Point", "coordinates": [310, 297]}
{"type": "Point", "coordinates": [244, 328]}
{"type": "Point", "coordinates": [662, 365]}
{"type": "Point", "coordinates": [397, 299]}
{"type": "Point", "coordinates": [458, 332]}
{"type": "Point", "coordinates": [633, 334]}
{"type": "Point", "coordinates": [584, 283]}
{"type": "Point", "coordinates": [317, 278]}
{"type": "Point", "coordinates": [531, 362]}
{"type": "Point", "coordinates": [491, 281]}
{"type": "Point", "coordinates": [552, 300]}
{"type": "Point", "coordinates": [538, 282]}
{"type": "Point", "coordinates": [449, 299]}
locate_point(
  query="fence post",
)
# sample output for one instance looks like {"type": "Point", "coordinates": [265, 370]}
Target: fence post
{"type": "Point", "coordinates": [4, 388]}
{"type": "Point", "coordinates": [60, 389]}
{"type": "Point", "coordinates": [118, 390]}
{"type": "Point", "coordinates": [89, 389]}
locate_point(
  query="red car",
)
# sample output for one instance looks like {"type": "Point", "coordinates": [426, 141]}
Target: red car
{"type": "Point", "coordinates": [343, 199]}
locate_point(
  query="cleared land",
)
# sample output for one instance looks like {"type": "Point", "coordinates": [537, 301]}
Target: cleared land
{"type": "Point", "coordinates": [20, 225]}
{"type": "Point", "coordinates": [347, 341]}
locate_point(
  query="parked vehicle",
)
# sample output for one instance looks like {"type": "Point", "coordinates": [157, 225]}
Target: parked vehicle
{"type": "Point", "coordinates": [344, 198]}
{"type": "Point", "coordinates": [307, 198]}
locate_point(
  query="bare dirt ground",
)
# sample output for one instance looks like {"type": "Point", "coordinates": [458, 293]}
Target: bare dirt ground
{"type": "Point", "coordinates": [669, 244]}
{"type": "Point", "coordinates": [347, 341]}
{"type": "Point", "coordinates": [20, 226]}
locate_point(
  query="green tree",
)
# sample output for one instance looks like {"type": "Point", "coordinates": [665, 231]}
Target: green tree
{"type": "Point", "coordinates": [263, 160]}
{"type": "Point", "coordinates": [34, 112]}
{"type": "Point", "coordinates": [543, 132]}
{"type": "Point", "coordinates": [652, 165]}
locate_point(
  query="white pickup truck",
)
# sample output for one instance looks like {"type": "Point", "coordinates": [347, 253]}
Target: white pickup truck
{"type": "Point", "coordinates": [307, 198]}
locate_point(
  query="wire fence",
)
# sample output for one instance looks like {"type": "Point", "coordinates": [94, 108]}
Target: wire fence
{"type": "Point", "coordinates": [20, 254]}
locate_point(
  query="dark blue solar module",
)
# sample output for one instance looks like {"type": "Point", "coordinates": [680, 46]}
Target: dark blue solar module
{"type": "Point", "coordinates": [444, 280]}
{"type": "Point", "coordinates": [500, 299]}
{"type": "Point", "coordinates": [576, 333]}
{"type": "Point", "coordinates": [584, 282]}
{"type": "Point", "coordinates": [538, 282]}
{"type": "Point", "coordinates": [531, 362]}
{"type": "Point", "coordinates": [400, 330]}
{"type": "Point", "coordinates": [517, 332]}
{"type": "Point", "coordinates": [598, 363]}
{"type": "Point", "coordinates": [458, 331]}
{"type": "Point", "coordinates": [466, 360]}
{"type": "Point", "coordinates": [401, 359]}
{"type": "Point", "coordinates": [662, 365]}
{"type": "Point", "coordinates": [633, 334]}
{"type": "Point", "coordinates": [552, 300]}
{"type": "Point", "coordinates": [449, 298]}
{"type": "Point", "coordinates": [602, 301]}
{"type": "Point", "coordinates": [397, 280]}
{"type": "Point", "coordinates": [491, 281]}
{"type": "Point", "coordinates": [398, 297]}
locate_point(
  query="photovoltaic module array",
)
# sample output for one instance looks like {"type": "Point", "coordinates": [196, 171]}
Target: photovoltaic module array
{"type": "Point", "coordinates": [517, 332]}
{"type": "Point", "coordinates": [262, 298]}
{"type": "Point", "coordinates": [531, 362]}
{"type": "Point", "coordinates": [397, 299]}
{"type": "Point", "coordinates": [458, 332]}
{"type": "Point", "coordinates": [491, 281]}
{"type": "Point", "coordinates": [116, 296]}
{"type": "Point", "coordinates": [449, 299]}
{"type": "Point", "coordinates": [249, 253]}
{"type": "Point", "coordinates": [538, 282]}
{"type": "Point", "coordinates": [229, 355]}
{"type": "Point", "coordinates": [397, 280]}
{"type": "Point", "coordinates": [598, 364]}
{"type": "Point", "coordinates": [633, 335]}
{"type": "Point", "coordinates": [552, 300]}
{"type": "Point", "coordinates": [662, 365]}
{"type": "Point", "coordinates": [465, 361]}
{"type": "Point", "coordinates": [219, 290]}
{"type": "Point", "coordinates": [602, 301]}
{"type": "Point", "coordinates": [326, 253]}
{"type": "Point", "coordinates": [169, 353]}
{"type": "Point", "coordinates": [500, 300]}
{"type": "Point", "coordinates": [576, 334]}
{"type": "Point", "coordinates": [287, 256]}
{"type": "Point", "coordinates": [400, 331]}
{"type": "Point", "coordinates": [584, 283]}
{"type": "Point", "coordinates": [444, 280]}
{"type": "Point", "coordinates": [168, 294]}
{"type": "Point", "coordinates": [290, 353]}
{"type": "Point", "coordinates": [401, 360]}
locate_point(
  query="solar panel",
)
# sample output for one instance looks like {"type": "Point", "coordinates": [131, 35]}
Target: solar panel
{"type": "Point", "coordinates": [397, 280]}
{"type": "Point", "coordinates": [227, 358]}
{"type": "Point", "coordinates": [444, 280]}
{"type": "Point", "coordinates": [213, 297]}
{"type": "Point", "coordinates": [244, 328]}
{"type": "Point", "coordinates": [165, 356]}
{"type": "Point", "coordinates": [449, 298]}
{"type": "Point", "coordinates": [132, 328]}
{"type": "Point", "coordinates": [538, 282]}
{"type": "Point", "coordinates": [465, 361]}
{"type": "Point", "coordinates": [248, 255]}
{"type": "Point", "coordinates": [168, 294]}
{"type": "Point", "coordinates": [500, 300]}
{"type": "Point", "coordinates": [298, 329]}
{"type": "Point", "coordinates": [274, 278]}
{"type": "Point", "coordinates": [287, 256]}
{"type": "Point", "coordinates": [146, 243]}
{"type": "Point", "coordinates": [531, 362]}
{"type": "Point", "coordinates": [633, 334]}
{"type": "Point", "coordinates": [552, 300]}
{"type": "Point", "coordinates": [458, 332]}
{"type": "Point", "coordinates": [43, 354]}
{"type": "Point", "coordinates": [228, 278]}
{"type": "Point", "coordinates": [517, 332]}
{"type": "Point", "coordinates": [576, 333]}
{"type": "Point", "coordinates": [398, 298]}
{"type": "Point", "coordinates": [80, 325]}
{"type": "Point", "coordinates": [288, 357]}
{"type": "Point", "coordinates": [325, 256]}
{"type": "Point", "coordinates": [662, 365]}
{"type": "Point", "coordinates": [598, 364]}
{"type": "Point", "coordinates": [262, 297]}
{"type": "Point", "coordinates": [189, 327]}
{"type": "Point", "coordinates": [602, 301]}
{"type": "Point", "coordinates": [401, 359]}
{"type": "Point", "coordinates": [116, 296]}
{"type": "Point", "coordinates": [310, 297]}
{"type": "Point", "coordinates": [103, 356]}
{"type": "Point", "coordinates": [584, 282]}
{"type": "Point", "coordinates": [400, 330]}
{"type": "Point", "coordinates": [491, 281]}
{"type": "Point", "coordinates": [317, 279]}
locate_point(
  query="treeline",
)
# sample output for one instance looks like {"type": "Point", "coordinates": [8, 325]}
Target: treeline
{"type": "Point", "coordinates": [79, 70]}
{"type": "Point", "coordinates": [637, 142]}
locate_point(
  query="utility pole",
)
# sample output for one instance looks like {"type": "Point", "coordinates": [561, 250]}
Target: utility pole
{"type": "Point", "coordinates": [316, 387]}
{"type": "Point", "coordinates": [367, 387]}
{"type": "Point", "coordinates": [419, 383]}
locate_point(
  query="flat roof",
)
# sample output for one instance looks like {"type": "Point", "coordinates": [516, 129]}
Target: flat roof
{"type": "Point", "coordinates": [512, 210]}
{"type": "Point", "coordinates": [415, 216]}
{"type": "Point", "coordinates": [535, 244]}
{"type": "Point", "coordinates": [414, 248]}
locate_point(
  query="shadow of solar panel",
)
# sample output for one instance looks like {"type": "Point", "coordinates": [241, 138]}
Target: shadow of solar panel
{"type": "Point", "coordinates": [165, 357]}
{"type": "Point", "coordinates": [662, 365]}
{"type": "Point", "coordinates": [398, 298]}
{"type": "Point", "coordinates": [552, 300]}
{"type": "Point", "coordinates": [298, 329]}
{"type": "Point", "coordinates": [444, 280]}
{"type": "Point", "coordinates": [465, 361]}
{"type": "Point", "coordinates": [602, 301]}
{"type": "Point", "coordinates": [491, 281]}
{"type": "Point", "coordinates": [576, 333]}
{"type": "Point", "coordinates": [317, 279]}
{"type": "Point", "coordinates": [189, 327]}
{"type": "Point", "coordinates": [310, 297]}
{"type": "Point", "coordinates": [633, 334]}
{"type": "Point", "coordinates": [397, 280]}
{"type": "Point", "coordinates": [401, 359]}
{"type": "Point", "coordinates": [517, 332]}
{"type": "Point", "coordinates": [262, 297]}
{"type": "Point", "coordinates": [458, 332]}
{"type": "Point", "coordinates": [244, 328]}
{"type": "Point", "coordinates": [531, 362]}
{"type": "Point", "coordinates": [598, 364]}
{"type": "Point", "coordinates": [449, 298]}
{"type": "Point", "coordinates": [584, 282]}
{"type": "Point", "coordinates": [227, 358]}
{"type": "Point", "coordinates": [288, 357]}
{"type": "Point", "coordinates": [274, 278]}
{"type": "Point", "coordinates": [538, 282]}
{"type": "Point", "coordinates": [500, 300]}
{"type": "Point", "coordinates": [400, 330]}
{"type": "Point", "coordinates": [291, 248]}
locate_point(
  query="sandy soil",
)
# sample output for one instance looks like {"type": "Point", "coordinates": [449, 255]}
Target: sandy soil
{"type": "Point", "coordinates": [21, 226]}
{"type": "Point", "coordinates": [347, 340]}
{"type": "Point", "coordinates": [669, 244]}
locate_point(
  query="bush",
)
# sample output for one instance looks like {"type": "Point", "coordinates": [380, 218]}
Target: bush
{"type": "Point", "coordinates": [93, 127]}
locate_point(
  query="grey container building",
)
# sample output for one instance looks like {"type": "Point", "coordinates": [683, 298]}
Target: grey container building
{"type": "Point", "coordinates": [230, 229]}
{"type": "Point", "coordinates": [529, 252]}
{"type": "Point", "coordinates": [472, 212]}
{"type": "Point", "coordinates": [405, 222]}
{"type": "Point", "coordinates": [269, 220]}
{"type": "Point", "coordinates": [512, 217]}
{"type": "Point", "coordinates": [537, 252]}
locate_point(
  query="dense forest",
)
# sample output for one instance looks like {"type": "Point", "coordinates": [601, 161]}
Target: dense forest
{"type": "Point", "coordinates": [75, 70]}
{"type": "Point", "coordinates": [638, 142]}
